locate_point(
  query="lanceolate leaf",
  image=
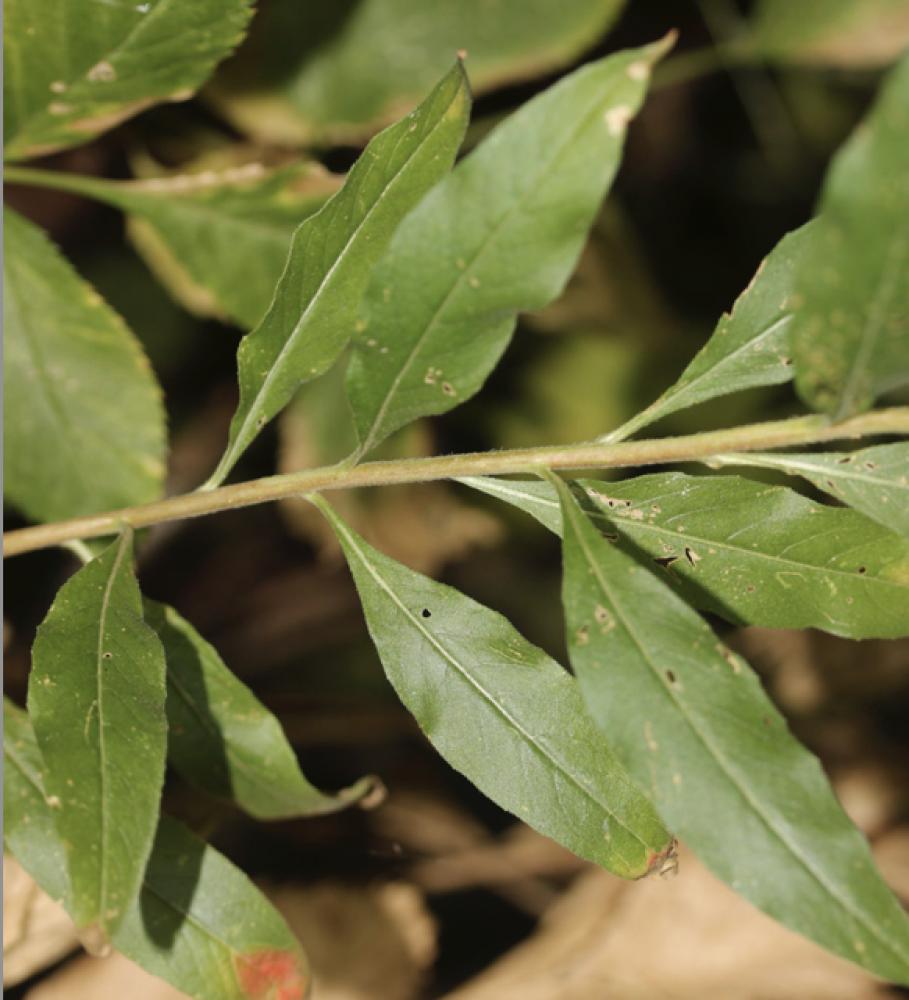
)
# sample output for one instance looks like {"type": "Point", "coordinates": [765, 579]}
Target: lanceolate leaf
{"type": "Point", "coordinates": [312, 316]}
{"type": "Point", "coordinates": [503, 713]}
{"type": "Point", "coordinates": [28, 824]}
{"type": "Point", "coordinates": [690, 720]}
{"type": "Point", "coordinates": [75, 68]}
{"type": "Point", "coordinates": [755, 554]}
{"type": "Point", "coordinates": [750, 345]}
{"type": "Point", "coordinates": [873, 480]}
{"type": "Point", "coordinates": [498, 236]}
{"type": "Point", "coordinates": [199, 922]}
{"type": "Point", "coordinates": [850, 335]}
{"type": "Point", "coordinates": [84, 425]}
{"type": "Point", "coordinates": [96, 698]}
{"type": "Point", "coordinates": [223, 739]}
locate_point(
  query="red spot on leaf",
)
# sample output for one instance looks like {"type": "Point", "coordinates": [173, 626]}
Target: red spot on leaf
{"type": "Point", "coordinates": [272, 974]}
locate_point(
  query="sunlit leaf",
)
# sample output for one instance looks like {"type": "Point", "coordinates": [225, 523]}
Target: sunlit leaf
{"type": "Point", "coordinates": [75, 68]}
{"type": "Point", "coordinates": [692, 723]}
{"type": "Point", "coordinates": [333, 252]}
{"type": "Point", "coordinates": [850, 332]}
{"type": "Point", "coordinates": [96, 699]}
{"type": "Point", "coordinates": [503, 713]}
{"type": "Point", "coordinates": [335, 72]}
{"type": "Point", "coordinates": [84, 425]}
{"type": "Point", "coordinates": [499, 236]}
{"type": "Point", "coordinates": [754, 554]}
{"type": "Point", "coordinates": [223, 739]}
{"type": "Point", "coordinates": [873, 480]}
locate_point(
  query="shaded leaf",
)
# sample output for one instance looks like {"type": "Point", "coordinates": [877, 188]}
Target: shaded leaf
{"type": "Point", "coordinates": [84, 428]}
{"type": "Point", "coordinates": [334, 73]}
{"type": "Point", "coordinates": [848, 33]}
{"type": "Point", "coordinates": [75, 68]}
{"type": "Point", "coordinates": [223, 739]}
{"type": "Point", "coordinates": [691, 721]}
{"type": "Point", "coordinates": [503, 713]}
{"type": "Point", "coordinates": [498, 236]}
{"type": "Point", "coordinates": [96, 699]}
{"type": "Point", "coordinates": [873, 480]}
{"type": "Point", "coordinates": [754, 554]}
{"type": "Point", "coordinates": [850, 332]}
{"type": "Point", "coordinates": [311, 317]}
{"type": "Point", "coordinates": [750, 345]}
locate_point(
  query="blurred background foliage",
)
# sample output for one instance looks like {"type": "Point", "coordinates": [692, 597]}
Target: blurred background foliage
{"type": "Point", "coordinates": [725, 158]}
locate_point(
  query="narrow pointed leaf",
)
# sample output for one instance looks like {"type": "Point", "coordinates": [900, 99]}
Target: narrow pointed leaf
{"type": "Point", "coordinates": [332, 255]}
{"type": "Point", "coordinates": [223, 739]}
{"type": "Point", "coordinates": [503, 713]}
{"type": "Point", "coordinates": [750, 345]}
{"type": "Point", "coordinates": [692, 723]}
{"type": "Point", "coordinates": [499, 236]}
{"type": "Point", "coordinates": [850, 334]}
{"type": "Point", "coordinates": [199, 922]}
{"type": "Point", "coordinates": [754, 554]}
{"type": "Point", "coordinates": [96, 698]}
{"type": "Point", "coordinates": [75, 68]}
{"type": "Point", "coordinates": [874, 481]}
{"type": "Point", "coordinates": [84, 425]}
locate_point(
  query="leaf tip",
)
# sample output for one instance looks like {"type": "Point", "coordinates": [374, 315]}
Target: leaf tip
{"type": "Point", "coordinates": [665, 862]}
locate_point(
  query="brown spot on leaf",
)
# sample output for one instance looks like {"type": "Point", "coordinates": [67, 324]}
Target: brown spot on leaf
{"type": "Point", "coordinates": [272, 974]}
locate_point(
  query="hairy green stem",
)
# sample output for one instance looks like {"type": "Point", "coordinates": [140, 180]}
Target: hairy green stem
{"type": "Point", "coordinates": [691, 447]}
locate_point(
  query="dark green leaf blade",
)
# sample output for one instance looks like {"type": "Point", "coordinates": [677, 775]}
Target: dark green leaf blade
{"type": "Point", "coordinates": [850, 334]}
{"type": "Point", "coordinates": [223, 739]}
{"type": "Point", "coordinates": [499, 236]}
{"type": "Point", "coordinates": [75, 68]}
{"type": "Point", "coordinates": [692, 723]}
{"type": "Point", "coordinates": [332, 255]}
{"type": "Point", "coordinates": [750, 345]}
{"type": "Point", "coordinates": [874, 480]}
{"type": "Point", "coordinates": [84, 428]}
{"type": "Point", "coordinates": [754, 554]}
{"type": "Point", "coordinates": [96, 698]}
{"type": "Point", "coordinates": [503, 713]}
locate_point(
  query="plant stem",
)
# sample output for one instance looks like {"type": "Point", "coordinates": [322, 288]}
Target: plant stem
{"type": "Point", "coordinates": [691, 447]}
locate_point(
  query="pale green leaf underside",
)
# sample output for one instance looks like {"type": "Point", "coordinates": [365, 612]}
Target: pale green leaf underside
{"type": "Point", "coordinates": [503, 713]}
{"type": "Point", "coordinates": [754, 554]}
{"type": "Point", "coordinates": [96, 699]}
{"type": "Point", "coordinates": [198, 922]}
{"type": "Point", "coordinates": [850, 333]}
{"type": "Point", "coordinates": [317, 72]}
{"type": "Point", "coordinates": [75, 68]}
{"type": "Point", "coordinates": [500, 235]}
{"type": "Point", "coordinates": [691, 722]}
{"type": "Point", "coordinates": [332, 254]}
{"type": "Point", "coordinates": [750, 345]}
{"type": "Point", "coordinates": [84, 425]}
{"type": "Point", "coordinates": [874, 480]}
{"type": "Point", "coordinates": [223, 739]}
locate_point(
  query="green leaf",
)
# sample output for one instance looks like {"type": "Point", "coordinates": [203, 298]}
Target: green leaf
{"type": "Point", "coordinates": [75, 68]}
{"type": "Point", "coordinates": [847, 33]}
{"type": "Point", "coordinates": [498, 236]}
{"type": "Point", "coordinates": [330, 73]}
{"type": "Point", "coordinates": [223, 739]}
{"type": "Point", "coordinates": [754, 554]}
{"type": "Point", "coordinates": [84, 428]}
{"type": "Point", "coordinates": [874, 481]}
{"type": "Point", "coordinates": [28, 823]}
{"type": "Point", "coordinates": [96, 698]}
{"type": "Point", "coordinates": [503, 713]}
{"type": "Point", "coordinates": [204, 927]}
{"type": "Point", "coordinates": [199, 922]}
{"type": "Point", "coordinates": [750, 345]}
{"type": "Point", "coordinates": [311, 318]}
{"type": "Point", "coordinates": [850, 333]}
{"type": "Point", "coordinates": [691, 721]}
